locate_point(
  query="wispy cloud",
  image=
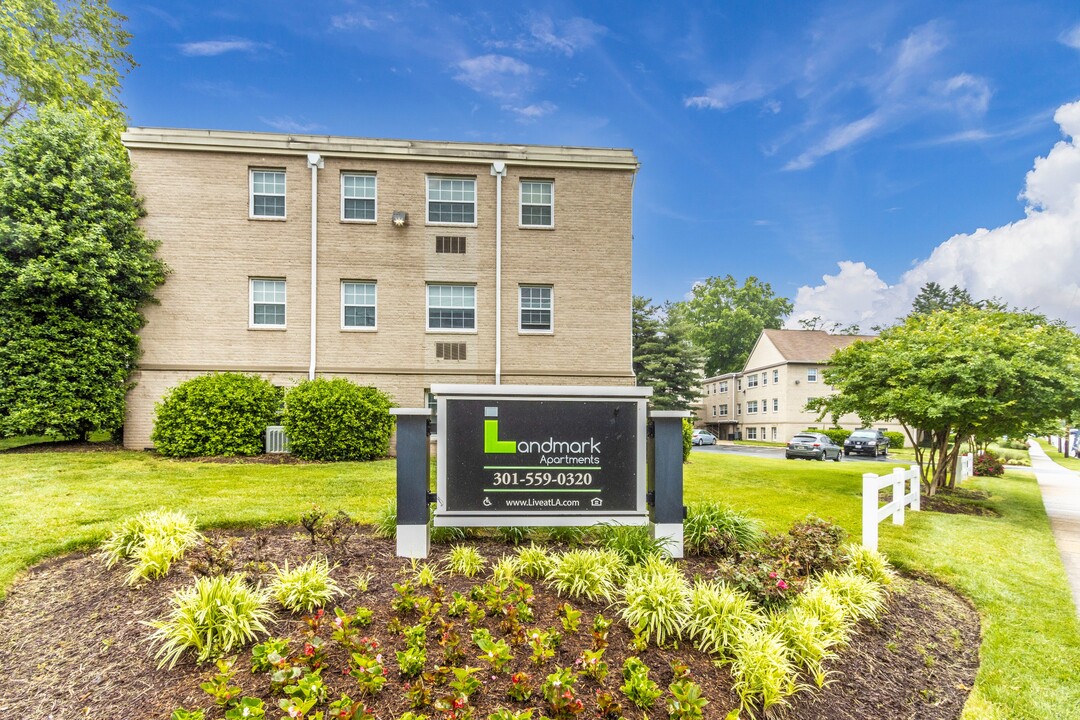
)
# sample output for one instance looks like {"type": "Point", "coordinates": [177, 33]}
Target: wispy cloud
{"type": "Point", "coordinates": [225, 89]}
{"type": "Point", "coordinates": [564, 36]}
{"type": "Point", "coordinates": [837, 139]}
{"type": "Point", "coordinates": [500, 76]}
{"type": "Point", "coordinates": [210, 48]}
{"type": "Point", "coordinates": [1071, 37]}
{"type": "Point", "coordinates": [290, 125]}
{"type": "Point", "coordinates": [725, 95]}
{"type": "Point", "coordinates": [532, 111]}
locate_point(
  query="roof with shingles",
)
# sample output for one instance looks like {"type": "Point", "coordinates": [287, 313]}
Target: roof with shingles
{"type": "Point", "coordinates": [810, 346]}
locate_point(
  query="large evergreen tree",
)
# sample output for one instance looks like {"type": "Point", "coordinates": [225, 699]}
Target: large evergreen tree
{"type": "Point", "coordinates": [74, 270]}
{"type": "Point", "coordinates": [664, 358]}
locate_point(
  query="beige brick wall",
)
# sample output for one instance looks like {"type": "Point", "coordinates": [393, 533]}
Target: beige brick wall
{"type": "Point", "coordinates": [197, 205]}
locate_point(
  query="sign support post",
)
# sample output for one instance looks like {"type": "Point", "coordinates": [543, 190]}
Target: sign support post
{"type": "Point", "coordinates": [413, 471]}
{"type": "Point", "coordinates": [665, 478]}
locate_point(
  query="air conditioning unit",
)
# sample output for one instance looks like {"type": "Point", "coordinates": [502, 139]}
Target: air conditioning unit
{"type": "Point", "coordinates": [276, 442]}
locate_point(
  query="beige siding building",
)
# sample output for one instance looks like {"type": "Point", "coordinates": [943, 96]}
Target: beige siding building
{"type": "Point", "coordinates": [717, 410]}
{"type": "Point", "coordinates": [781, 375]}
{"type": "Point", "coordinates": [392, 263]}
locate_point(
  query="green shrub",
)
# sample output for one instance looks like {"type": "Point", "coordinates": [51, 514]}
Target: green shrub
{"type": "Point", "coordinates": [687, 439]}
{"type": "Point", "coordinates": [385, 525]}
{"type": "Point", "coordinates": [812, 545]}
{"type": "Point", "coordinates": [869, 563]}
{"type": "Point", "coordinates": [861, 598]}
{"type": "Point", "coordinates": [826, 607]}
{"type": "Point", "coordinates": [633, 543]}
{"type": "Point", "coordinates": [216, 414]}
{"type": "Point", "coordinates": [762, 672]}
{"type": "Point", "coordinates": [718, 614]}
{"type": "Point", "coordinates": [534, 561]}
{"type": "Point", "coordinates": [807, 639]}
{"type": "Point", "coordinates": [590, 573]}
{"type": "Point", "coordinates": [337, 420]}
{"type": "Point", "coordinates": [152, 541]}
{"type": "Point", "coordinates": [465, 560]}
{"type": "Point", "coordinates": [715, 529]}
{"type": "Point", "coordinates": [837, 435]}
{"type": "Point", "coordinates": [211, 617]}
{"type": "Point", "coordinates": [656, 599]}
{"type": "Point", "coordinates": [1010, 456]}
{"type": "Point", "coordinates": [896, 439]}
{"type": "Point", "coordinates": [304, 587]}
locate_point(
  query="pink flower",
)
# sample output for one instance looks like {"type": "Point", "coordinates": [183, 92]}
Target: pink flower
{"type": "Point", "coordinates": [772, 574]}
{"type": "Point", "coordinates": [781, 584]}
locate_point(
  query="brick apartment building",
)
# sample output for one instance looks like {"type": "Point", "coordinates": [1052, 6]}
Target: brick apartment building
{"type": "Point", "coordinates": [391, 263]}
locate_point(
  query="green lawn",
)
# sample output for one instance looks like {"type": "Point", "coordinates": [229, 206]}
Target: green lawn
{"type": "Point", "coordinates": [1070, 462]}
{"type": "Point", "coordinates": [1008, 566]}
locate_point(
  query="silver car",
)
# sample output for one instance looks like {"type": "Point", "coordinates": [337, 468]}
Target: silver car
{"type": "Point", "coordinates": [813, 446]}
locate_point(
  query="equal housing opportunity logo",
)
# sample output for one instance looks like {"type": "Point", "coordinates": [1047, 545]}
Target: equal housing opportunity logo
{"type": "Point", "coordinates": [551, 450]}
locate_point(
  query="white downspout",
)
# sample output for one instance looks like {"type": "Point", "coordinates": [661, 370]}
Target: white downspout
{"type": "Point", "coordinates": [315, 162]}
{"type": "Point", "coordinates": [498, 169]}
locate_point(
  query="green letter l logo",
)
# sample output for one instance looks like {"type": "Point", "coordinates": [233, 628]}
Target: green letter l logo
{"type": "Point", "coordinates": [492, 443]}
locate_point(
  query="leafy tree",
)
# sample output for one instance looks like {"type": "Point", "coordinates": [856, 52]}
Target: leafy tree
{"type": "Point", "coordinates": [74, 270]}
{"type": "Point", "coordinates": [833, 328]}
{"type": "Point", "coordinates": [664, 357]}
{"type": "Point", "coordinates": [956, 374]}
{"type": "Point", "coordinates": [725, 319]}
{"type": "Point", "coordinates": [70, 53]}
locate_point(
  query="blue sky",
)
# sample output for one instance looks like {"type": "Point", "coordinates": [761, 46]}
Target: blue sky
{"type": "Point", "coordinates": [844, 152]}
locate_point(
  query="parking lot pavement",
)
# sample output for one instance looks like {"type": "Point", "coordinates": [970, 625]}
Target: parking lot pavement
{"type": "Point", "coordinates": [776, 453]}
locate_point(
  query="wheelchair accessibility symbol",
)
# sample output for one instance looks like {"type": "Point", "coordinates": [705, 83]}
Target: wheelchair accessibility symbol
{"type": "Point", "coordinates": [487, 502]}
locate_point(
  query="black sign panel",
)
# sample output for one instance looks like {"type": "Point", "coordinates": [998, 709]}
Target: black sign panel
{"type": "Point", "coordinates": [561, 456]}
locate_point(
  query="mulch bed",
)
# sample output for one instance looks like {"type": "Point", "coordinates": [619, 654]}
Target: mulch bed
{"type": "Point", "coordinates": [74, 643]}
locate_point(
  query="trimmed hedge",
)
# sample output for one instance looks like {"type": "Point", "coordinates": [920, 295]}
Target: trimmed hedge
{"type": "Point", "coordinates": [986, 465]}
{"type": "Point", "coordinates": [216, 414]}
{"type": "Point", "coordinates": [896, 439]}
{"type": "Point", "coordinates": [337, 420]}
{"type": "Point", "coordinates": [837, 435]}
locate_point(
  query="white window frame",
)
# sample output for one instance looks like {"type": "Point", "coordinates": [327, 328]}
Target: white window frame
{"type": "Point", "coordinates": [251, 303]}
{"type": "Point", "coordinates": [774, 432]}
{"type": "Point", "coordinates": [723, 386]}
{"type": "Point", "coordinates": [251, 193]}
{"type": "Point", "coordinates": [764, 378]}
{"type": "Point", "coordinates": [360, 328]}
{"type": "Point", "coordinates": [776, 377]}
{"type": "Point", "coordinates": [550, 308]}
{"type": "Point", "coordinates": [738, 408]}
{"type": "Point", "coordinates": [751, 381]}
{"type": "Point", "coordinates": [427, 203]}
{"type": "Point", "coordinates": [723, 409]}
{"type": "Point", "coordinates": [751, 407]}
{"type": "Point", "coordinates": [714, 411]}
{"type": "Point", "coordinates": [776, 405]}
{"type": "Point", "coordinates": [751, 433]}
{"type": "Point", "coordinates": [427, 308]}
{"type": "Point", "coordinates": [550, 205]}
{"type": "Point", "coordinates": [811, 375]}
{"type": "Point", "coordinates": [375, 198]}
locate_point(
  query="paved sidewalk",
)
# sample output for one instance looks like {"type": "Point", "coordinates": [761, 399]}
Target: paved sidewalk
{"type": "Point", "coordinates": [1061, 496]}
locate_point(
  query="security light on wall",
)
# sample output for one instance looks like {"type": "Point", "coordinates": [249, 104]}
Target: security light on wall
{"type": "Point", "coordinates": [400, 218]}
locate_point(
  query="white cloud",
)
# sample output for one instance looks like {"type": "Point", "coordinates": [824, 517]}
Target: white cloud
{"type": "Point", "coordinates": [566, 36]}
{"type": "Point", "coordinates": [1033, 262]}
{"type": "Point", "coordinates": [1071, 38]}
{"type": "Point", "coordinates": [500, 76]}
{"type": "Point", "coordinates": [837, 139]}
{"type": "Point", "coordinates": [351, 20]}
{"type": "Point", "coordinates": [289, 125]}
{"type": "Point", "coordinates": [208, 48]}
{"type": "Point", "coordinates": [723, 96]}
{"type": "Point", "coordinates": [965, 94]}
{"type": "Point", "coordinates": [533, 111]}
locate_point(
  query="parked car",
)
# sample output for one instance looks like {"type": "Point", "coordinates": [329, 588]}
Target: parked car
{"type": "Point", "coordinates": [866, 441]}
{"type": "Point", "coordinates": [812, 446]}
{"type": "Point", "coordinates": [702, 437]}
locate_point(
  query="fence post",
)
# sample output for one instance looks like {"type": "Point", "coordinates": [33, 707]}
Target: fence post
{"type": "Point", "coordinates": [869, 511]}
{"type": "Point", "coordinates": [899, 492]}
{"type": "Point", "coordinates": [413, 471]}
{"type": "Point", "coordinates": [916, 487]}
{"type": "Point", "coordinates": [665, 479]}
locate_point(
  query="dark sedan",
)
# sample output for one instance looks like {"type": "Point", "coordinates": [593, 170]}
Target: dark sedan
{"type": "Point", "coordinates": [866, 442]}
{"type": "Point", "coordinates": [812, 446]}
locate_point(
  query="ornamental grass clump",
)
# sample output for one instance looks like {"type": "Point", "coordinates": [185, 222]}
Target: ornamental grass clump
{"type": "Point", "coordinates": [869, 563]}
{"type": "Point", "coordinates": [633, 543]}
{"type": "Point", "coordinates": [822, 604]}
{"type": "Point", "coordinates": [534, 561]}
{"type": "Point", "coordinates": [465, 560]}
{"type": "Point", "coordinates": [717, 615]}
{"type": "Point", "coordinates": [861, 598]}
{"type": "Point", "coordinates": [712, 528]}
{"type": "Point", "coordinates": [212, 617]}
{"type": "Point", "coordinates": [304, 587]}
{"type": "Point", "coordinates": [806, 638]}
{"type": "Point", "coordinates": [762, 672]}
{"type": "Point", "coordinates": [655, 599]}
{"type": "Point", "coordinates": [589, 573]}
{"type": "Point", "coordinates": [151, 541]}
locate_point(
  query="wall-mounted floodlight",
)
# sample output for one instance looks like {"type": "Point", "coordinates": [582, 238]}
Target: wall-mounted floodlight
{"type": "Point", "coordinates": [400, 218]}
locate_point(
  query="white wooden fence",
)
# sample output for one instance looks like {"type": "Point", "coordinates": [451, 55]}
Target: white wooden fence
{"type": "Point", "coordinates": [905, 491]}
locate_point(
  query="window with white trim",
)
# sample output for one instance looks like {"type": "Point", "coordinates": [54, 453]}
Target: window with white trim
{"type": "Point", "coordinates": [358, 303]}
{"type": "Point", "coordinates": [776, 404]}
{"type": "Point", "coordinates": [267, 303]}
{"type": "Point", "coordinates": [723, 386]}
{"type": "Point", "coordinates": [774, 432]}
{"type": "Point", "coordinates": [451, 307]}
{"type": "Point", "coordinates": [534, 311]}
{"type": "Point", "coordinates": [751, 433]}
{"type": "Point", "coordinates": [811, 374]}
{"type": "Point", "coordinates": [714, 410]}
{"type": "Point", "coordinates": [776, 377]}
{"type": "Point", "coordinates": [764, 378]}
{"type": "Point", "coordinates": [751, 381]}
{"type": "Point", "coordinates": [267, 194]}
{"type": "Point", "coordinates": [738, 408]}
{"type": "Point", "coordinates": [358, 196]}
{"type": "Point", "coordinates": [738, 383]}
{"type": "Point", "coordinates": [751, 406]}
{"type": "Point", "coordinates": [451, 200]}
{"type": "Point", "coordinates": [723, 410]}
{"type": "Point", "coordinates": [537, 203]}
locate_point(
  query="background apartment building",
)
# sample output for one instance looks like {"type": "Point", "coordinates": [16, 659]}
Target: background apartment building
{"type": "Point", "coordinates": [392, 263]}
{"type": "Point", "coordinates": [782, 374]}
